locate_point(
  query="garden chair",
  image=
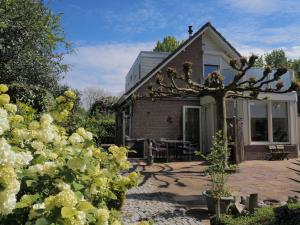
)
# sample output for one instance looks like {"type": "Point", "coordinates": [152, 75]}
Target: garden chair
{"type": "Point", "coordinates": [159, 150]}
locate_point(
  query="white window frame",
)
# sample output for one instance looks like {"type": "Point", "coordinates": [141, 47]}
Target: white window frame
{"type": "Point", "coordinates": [184, 118]}
{"type": "Point", "coordinates": [270, 123]}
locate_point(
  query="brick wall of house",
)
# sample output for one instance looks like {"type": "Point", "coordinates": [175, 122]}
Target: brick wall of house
{"type": "Point", "coordinates": [192, 53]}
{"type": "Point", "coordinates": [162, 118]}
{"type": "Point", "coordinates": [258, 152]}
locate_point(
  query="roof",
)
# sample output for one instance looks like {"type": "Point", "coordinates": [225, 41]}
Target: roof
{"type": "Point", "coordinates": [170, 57]}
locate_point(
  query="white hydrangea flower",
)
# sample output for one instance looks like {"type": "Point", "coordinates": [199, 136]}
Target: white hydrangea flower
{"type": "Point", "coordinates": [42, 169]}
{"type": "Point", "coordinates": [11, 108]}
{"type": "Point", "coordinates": [37, 145]}
{"type": "Point", "coordinates": [63, 186]}
{"type": "Point", "coordinates": [7, 202]}
{"type": "Point", "coordinates": [7, 157]}
{"type": "Point", "coordinates": [21, 134]}
{"type": "Point", "coordinates": [46, 118]}
{"type": "Point", "coordinates": [4, 123]}
{"type": "Point", "coordinates": [3, 113]}
{"type": "Point", "coordinates": [23, 158]}
{"type": "Point", "coordinates": [75, 139]}
{"type": "Point", "coordinates": [46, 135]}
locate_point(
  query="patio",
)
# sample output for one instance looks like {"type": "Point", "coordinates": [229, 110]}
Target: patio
{"type": "Point", "coordinates": [183, 182]}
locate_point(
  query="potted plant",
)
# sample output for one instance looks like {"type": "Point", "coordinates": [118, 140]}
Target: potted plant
{"type": "Point", "coordinates": [219, 197]}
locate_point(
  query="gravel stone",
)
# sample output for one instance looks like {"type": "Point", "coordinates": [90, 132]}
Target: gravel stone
{"type": "Point", "coordinates": [143, 203]}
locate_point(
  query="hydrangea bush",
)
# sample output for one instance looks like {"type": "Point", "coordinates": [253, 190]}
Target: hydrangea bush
{"type": "Point", "coordinates": [48, 176]}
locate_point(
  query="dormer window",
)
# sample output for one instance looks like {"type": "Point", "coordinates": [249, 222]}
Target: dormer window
{"type": "Point", "coordinates": [209, 68]}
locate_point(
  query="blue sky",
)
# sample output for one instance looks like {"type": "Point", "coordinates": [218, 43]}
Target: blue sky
{"type": "Point", "coordinates": [107, 35]}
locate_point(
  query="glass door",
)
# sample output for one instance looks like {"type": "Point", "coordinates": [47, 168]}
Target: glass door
{"type": "Point", "coordinates": [191, 124]}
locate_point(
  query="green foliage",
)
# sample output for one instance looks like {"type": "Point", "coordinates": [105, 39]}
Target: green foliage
{"type": "Point", "coordinates": [103, 127]}
{"type": "Point", "coordinates": [295, 65]}
{"type": "Point", "coordinates": [169, 44]}
{"type": "Point", "coordinates": [276, 59]}
{"type": "Point", "coordinates": [217, 159]}
{"type": "Point", "coordinates": [38, 98]}
{"type": "Point", "coordinates": [261, 216]}
{"type": "Point", "coordinates": [103, 105]}
{"type": "Point", "coordinates": [32, 44]}
{"type": "Point", "coordinates": [259, 62]}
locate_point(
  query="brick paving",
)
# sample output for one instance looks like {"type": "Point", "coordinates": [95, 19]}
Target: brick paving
{"type": "Point", "coordinates": [169, 191]}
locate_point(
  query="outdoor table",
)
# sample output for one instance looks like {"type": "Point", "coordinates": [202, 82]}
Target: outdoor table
{"type": "Point", "coordinates": [169, 142]}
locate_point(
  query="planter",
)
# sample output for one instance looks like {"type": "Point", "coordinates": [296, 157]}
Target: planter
{"type": "Point", "coordinates": [212, 203]}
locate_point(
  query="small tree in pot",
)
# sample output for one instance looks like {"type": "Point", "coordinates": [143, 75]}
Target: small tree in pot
{"type": "Point", "coordinates": [219, 197]}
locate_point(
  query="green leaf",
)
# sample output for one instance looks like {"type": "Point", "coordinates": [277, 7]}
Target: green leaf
{"type": "Point", "coordinates": [68, 212]}
{"type": "Point", "coordinates": [41, 221]}
{"type": "Point", "coordinates": [27, 200]}
{"type": "Point", "coordinates": [79, 194]}
{"type": "Point", "coordinates": [77, 186]}
{"type": "Point", "coordinates": [76, 164]}
{"type": "Point", "coordinates": [38, 160]}
{"type": "Point", "coordinates": [29, 183]}
{"type": "Point", "coordinates": [84, 206]}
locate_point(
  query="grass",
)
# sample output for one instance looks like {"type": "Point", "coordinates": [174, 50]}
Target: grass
{"type": "Point", "coordinates": [262, 216]}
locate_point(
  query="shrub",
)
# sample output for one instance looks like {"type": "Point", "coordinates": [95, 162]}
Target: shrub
{"type": "Point", "coordinates": [38, 98]}
{"type": "Point", "coordinates": [51, 177]}
{"type": "Point", "coordinates": [103, 126]}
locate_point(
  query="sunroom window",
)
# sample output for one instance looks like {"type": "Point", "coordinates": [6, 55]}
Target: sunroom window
{"type": "Point", "coordinates": [259, 121]}
{"type": "Point", "coordinates": [280, 122]}
{"type": "Point", "coordinates": [269, 121]}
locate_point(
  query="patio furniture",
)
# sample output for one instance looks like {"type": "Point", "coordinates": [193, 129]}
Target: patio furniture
{"type": "Point", "coordinates": [277, 152]}
{"type": "Point", "coordinates": [138, 145]}
{"type": "Point", "coordinates": [159, 150]}
{"type": "Point", "coordinates": [186, 150]}
{"type": "Point", "coordinates": [174, 144]}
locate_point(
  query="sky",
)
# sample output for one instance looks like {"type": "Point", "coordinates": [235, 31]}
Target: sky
{"type": "Point", "coordinates": [108, 35]}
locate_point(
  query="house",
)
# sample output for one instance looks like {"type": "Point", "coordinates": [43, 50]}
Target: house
{"type": "Point", "coordinates": [253, 125]}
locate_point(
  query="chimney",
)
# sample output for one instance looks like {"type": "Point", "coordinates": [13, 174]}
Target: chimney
{"type": "Point", "coordinates": [190, 31]}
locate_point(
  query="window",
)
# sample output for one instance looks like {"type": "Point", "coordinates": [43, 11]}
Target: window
{"type": "Point", "coordinates": [259, 121]}
{"type": "Point", "coordinates": [280, 122]}
{"type": "Point", "coordinates": [209, 69]}
{"type": "Point", "coordinates": [269, 121]}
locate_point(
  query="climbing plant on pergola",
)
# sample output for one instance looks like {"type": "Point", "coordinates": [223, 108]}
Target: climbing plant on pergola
{"type": "Point", "coordinates": [173, 84]}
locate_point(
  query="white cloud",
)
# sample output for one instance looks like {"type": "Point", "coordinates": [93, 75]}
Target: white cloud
{"type": "Point", "coordinates": [103, 66]}
{"type": "Point", "coordinates": [292, 52]}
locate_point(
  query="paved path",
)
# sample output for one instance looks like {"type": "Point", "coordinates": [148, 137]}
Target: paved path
{"type": "Point", "coordinates": [169, 188]}
{"type": "Point", "coordinates": [144, 203]}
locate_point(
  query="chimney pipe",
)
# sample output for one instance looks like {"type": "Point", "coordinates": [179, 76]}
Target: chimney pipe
{"type": "Point", "coordinates": [190, 31]}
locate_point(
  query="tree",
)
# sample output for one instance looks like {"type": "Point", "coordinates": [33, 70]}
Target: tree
{"type": "Point", "coordinates": [259, 63]}
{"type": "Point", "coordinates": [91, 95]}
{"type": "Point", "coordinates": [32, 44]}
{"type": "Point", "coordinates": [295, 65]}
{"type": "Point", "coordinates": [239, 87]}
{"type": "Point", "coordinates": [276, 58]}
{"type": "Point", "coordinates": [103, 105]}
{"type": "Point", "coordinates": [169, 44]}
